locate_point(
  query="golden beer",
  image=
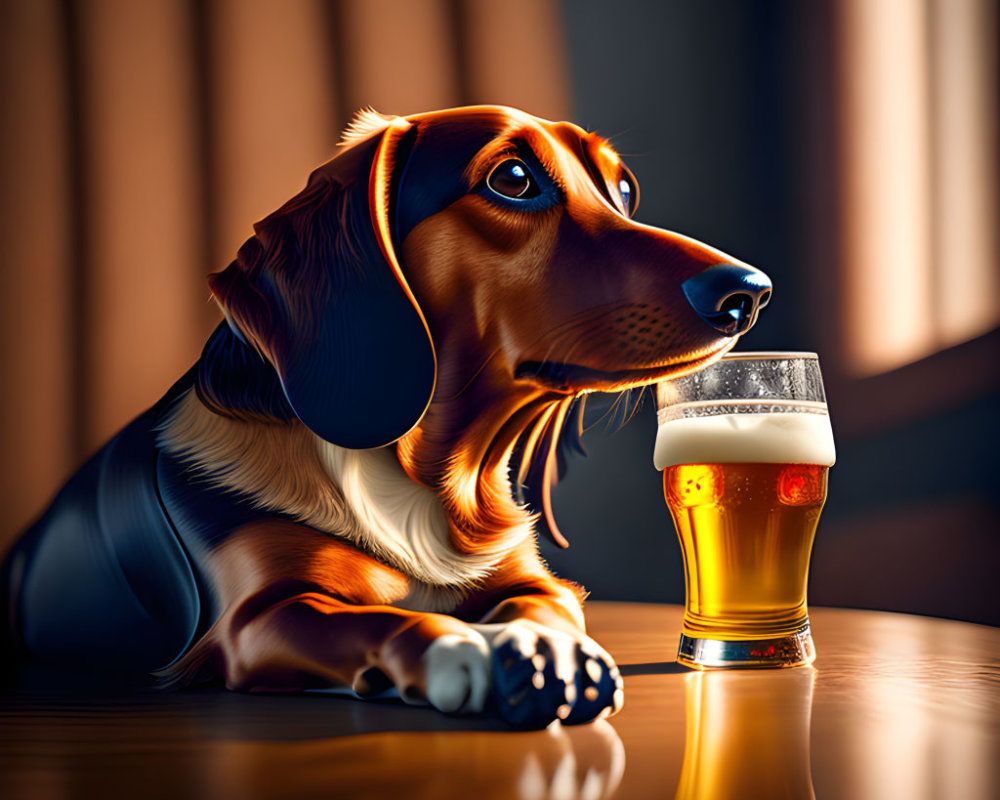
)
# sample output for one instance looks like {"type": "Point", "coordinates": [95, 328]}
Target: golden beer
{"type": "Point", "coordinates": [745, 447]}
{"type": "Point", "coordinates": [746, 533]}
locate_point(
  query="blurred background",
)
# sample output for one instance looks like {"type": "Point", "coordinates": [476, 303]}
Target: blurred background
{"type": "Point", "coordinates": [847, 148]}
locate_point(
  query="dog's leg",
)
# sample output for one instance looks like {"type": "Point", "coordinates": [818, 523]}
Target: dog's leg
{"type": "Point", "coordinates": [314, 640]}
{"type": "Point", "coordinates": [306, 610]}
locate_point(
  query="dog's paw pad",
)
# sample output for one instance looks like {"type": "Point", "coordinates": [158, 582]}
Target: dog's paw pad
{"type": "Point", "coordinates": [528, 692]}
{"type": "Point", "coordinates": [540, 675]}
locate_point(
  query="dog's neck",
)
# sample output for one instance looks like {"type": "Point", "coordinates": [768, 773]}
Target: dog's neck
{"type": "Point", "coordinates": [462, 449]}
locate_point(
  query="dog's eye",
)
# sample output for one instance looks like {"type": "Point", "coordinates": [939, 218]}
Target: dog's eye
{"type": "Point", "coordinates": [628, 195]}
{"type": "Point", "coordinates": [511, 178]}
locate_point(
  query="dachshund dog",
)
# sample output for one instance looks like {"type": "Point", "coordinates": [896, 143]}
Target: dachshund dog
{"type": "Point", "coordinates": [345, 488]}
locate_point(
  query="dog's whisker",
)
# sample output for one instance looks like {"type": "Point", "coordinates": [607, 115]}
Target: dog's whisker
{"type": "Point", "coordinates": [599, 420]}
{"type": "Point", "coordinates": [613, 410]}
{"type": "Point", "coordinates": [635, 406]}
{"type": "Point", "coordinates": [621, 410]}
{"type": "Point", "coordinates": [620, 133]}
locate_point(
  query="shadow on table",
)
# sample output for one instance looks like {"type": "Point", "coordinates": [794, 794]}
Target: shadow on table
{"type": "Point", "coordinates": [654, 668]}
{"type": "Point", "coordinates": [215, 713]}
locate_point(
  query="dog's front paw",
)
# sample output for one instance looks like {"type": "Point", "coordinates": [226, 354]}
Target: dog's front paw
{"type": "Point", "coordinates": [541, 674]}
{"type": "Point", "coordinates": [458, 672]}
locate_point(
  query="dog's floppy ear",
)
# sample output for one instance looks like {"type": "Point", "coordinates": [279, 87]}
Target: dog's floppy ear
{"type": "Point", "coordinates": [320, 293]}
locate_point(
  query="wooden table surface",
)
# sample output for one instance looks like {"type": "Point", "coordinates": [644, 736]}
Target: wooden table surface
{"type": "Point", "coordinates": [896, 707]}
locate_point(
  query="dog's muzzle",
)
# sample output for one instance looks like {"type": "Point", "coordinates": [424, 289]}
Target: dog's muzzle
{"type": "Point", "coordinates": [728, 297]}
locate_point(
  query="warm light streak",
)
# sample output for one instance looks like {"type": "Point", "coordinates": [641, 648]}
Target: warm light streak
{"type": "Point", "coordinates": [467, 493]}
{"type": "Point", "coordinates": [378, 201]}
{"type": "Point", "coordinates": [378, 197]}
{"type": "Point", "coordinates": [920, 203]}
{"type": "Point", "coordinates": [461, 480]}
{"type": "Point", "coordinates": [609, 154]}
{"type": "Point", "coordinates": [485, 519]}
{"type": "Point", "coordinates": [887, 210]}
{"type": "Point", "coordinates": [966, 207]}
{"type": "Point", "coordinates": [532, 443]}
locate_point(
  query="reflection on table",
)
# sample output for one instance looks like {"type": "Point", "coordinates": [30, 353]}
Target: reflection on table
{"type": "Point", "coordinates": [747, 735]}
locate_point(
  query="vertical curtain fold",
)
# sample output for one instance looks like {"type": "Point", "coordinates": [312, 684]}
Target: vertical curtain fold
{"type": "Point", "coordinates": [36, 307]}
{"type": "Point", "coordinates": [398, 55]}
{"type": "Point", "coordinates": [273, 109]}
{"type": "Point", "coordinates": [142, 267]}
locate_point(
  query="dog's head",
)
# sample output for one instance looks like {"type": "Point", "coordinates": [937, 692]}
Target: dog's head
{"type": "Point", "coordinates": [485, 231]}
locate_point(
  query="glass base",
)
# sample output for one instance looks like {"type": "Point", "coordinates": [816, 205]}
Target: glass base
{"type": "Point", "coordinates": [794, 650]}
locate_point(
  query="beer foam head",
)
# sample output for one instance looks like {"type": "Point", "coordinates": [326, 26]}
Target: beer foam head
{"type": "Point", "coordinates": [777, 438]}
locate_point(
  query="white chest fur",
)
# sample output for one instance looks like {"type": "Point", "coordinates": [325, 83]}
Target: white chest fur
{"type": "Point", "coordinates": [397, 519]}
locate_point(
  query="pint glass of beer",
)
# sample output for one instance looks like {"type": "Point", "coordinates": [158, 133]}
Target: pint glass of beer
{"type": "Point", "coordinates": [745, 446]}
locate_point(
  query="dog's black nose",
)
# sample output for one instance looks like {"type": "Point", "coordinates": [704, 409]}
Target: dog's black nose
{"type": "Point", "coordinates": [728, 296]}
